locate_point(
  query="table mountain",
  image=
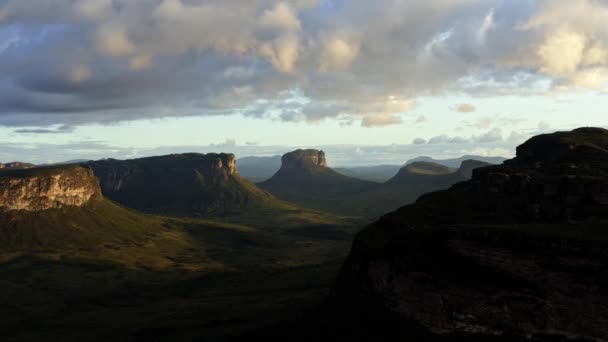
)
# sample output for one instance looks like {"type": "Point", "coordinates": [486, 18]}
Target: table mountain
{"type": "Point", "coordinates": [305, 178]}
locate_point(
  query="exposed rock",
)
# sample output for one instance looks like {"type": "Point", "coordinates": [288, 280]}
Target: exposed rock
{"type": "Point", "coordinates": [189, 184]}
{"type": "Point", "coordinates": [303, 159]}
{"type": "Point", "coordinates": [304, 178]}
{"type": "Point", "coordinates": [47, 188]}
{"type": "Point", "coordinates": [519, 250]}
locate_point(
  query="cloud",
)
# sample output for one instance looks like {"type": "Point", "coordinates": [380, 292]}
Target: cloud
{"type": "Point", "coordinates": [229, 143]}
{"type": "Point", "coordinates": [465, 108]}
{"type": "Point", "coordinates": [58, 130]}
{"type": "Point", "coordinates": [421, 119]}
{"type": "Point", "coordinates": [338, 54]}
{"type": "Point", "coordinates": [494, 135]}
{"type": "Point", "coordinates": [445, 139]}
{"type": "Point", "coordinates": [380, 120]}
{"type": "Point", "coordinates": [419, 141]}
{"type": "Point", "coordinates": [118, 60]}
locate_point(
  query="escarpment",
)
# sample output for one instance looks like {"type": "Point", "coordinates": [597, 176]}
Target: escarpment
{"type": "Point", "coordinates": [189, 184]}
{"type": "Point", "coordinates": [47, 188]}
{"type": "Point", "coordinates": [303, 159]}
{"type": "Point", "coordinates": [520, 250]}
{"type": "Point", "coordinates": [304, 178]}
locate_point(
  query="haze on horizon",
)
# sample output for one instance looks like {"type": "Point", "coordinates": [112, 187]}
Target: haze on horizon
{"type": "Point", "coordinates": [371, 82]}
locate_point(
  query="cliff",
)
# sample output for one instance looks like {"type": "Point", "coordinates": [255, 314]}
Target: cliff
{"type": "Point", "coordinates": [520, 250]}
{"type": "Point", "coordinates": [303, 159]}
{"type": "Point", "coordinates": [305, 179]}
{"type": "Point", "coordinates": [181, 184]}
{"type": "Point", "coordinates": [47, 188]}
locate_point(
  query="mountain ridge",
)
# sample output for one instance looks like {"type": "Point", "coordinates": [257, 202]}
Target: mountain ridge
{"type": "Point", "coordinates": [514, 252]}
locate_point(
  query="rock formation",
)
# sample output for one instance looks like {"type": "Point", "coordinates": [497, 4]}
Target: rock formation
{"type": "Point", "coordinates": [303, 159]}
{"type": "Point", "coordinates": [520, 250]}
{"type": "Point", "coordinates": [47, 188]}
{"type": "Point", "coordinates": [305, 179]}
{"type": "Point", "coordinates": [189, 184]}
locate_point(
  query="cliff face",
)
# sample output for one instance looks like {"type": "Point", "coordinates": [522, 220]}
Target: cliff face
{"type": "Point", "coordinates": [519, 250]}
{"type": "Point", "coordinates": [114, 175]}
{"type": "Point", "coordinates": [303, 159]}
{"type": "Point", "coordinates": [47, 188]}
{"type": "Point", "coordinates": [180, 184]}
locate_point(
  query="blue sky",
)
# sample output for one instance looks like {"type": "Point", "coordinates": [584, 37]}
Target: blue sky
{"type": "Point", "coordinates": [118, 78]}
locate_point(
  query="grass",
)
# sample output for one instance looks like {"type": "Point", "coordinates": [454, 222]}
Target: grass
{"type": "Point", "coordinates": [104, 268]}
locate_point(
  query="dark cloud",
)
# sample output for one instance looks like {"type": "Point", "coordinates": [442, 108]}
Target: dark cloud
{"type": "Point", "coordinates": [82, 61]}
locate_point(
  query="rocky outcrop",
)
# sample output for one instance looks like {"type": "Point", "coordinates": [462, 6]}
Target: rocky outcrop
{"type": "Point", "coordinates": [188, 184]}
{"type": "Point", "coordinates": [303, 159]}
{"type": "Point", "coordinates": [520, 250]}
{"type": "Point", "coordinates": [305, 179]}
{"type": "Point", "coordinates": [114, 174]}
{"type": "Point", "coordinates": [47, 188]}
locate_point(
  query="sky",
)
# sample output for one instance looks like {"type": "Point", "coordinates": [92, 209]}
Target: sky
{"type": "Point", "coordinates": [370, 82]}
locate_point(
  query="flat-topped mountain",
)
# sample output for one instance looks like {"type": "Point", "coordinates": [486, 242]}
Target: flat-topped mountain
{"type": "Point", "coordinates": [47, 188]}
{"type": "Point", "coordinates": [194, 185]}
{"type": "Point", "coordinates": [411, 182]}
{"type": "Point", "coordinates": [517, 251]}
{"type": "Point", "coordinates": [303, 159]}
{"type": "Point", "coordinates": [178, 184]}
{"type": "Point", "coordinates": [305, 178]}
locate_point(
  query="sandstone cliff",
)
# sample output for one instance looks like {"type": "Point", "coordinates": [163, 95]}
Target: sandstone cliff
{"type": "Point", "coordinates": [181, 184]}
{"type": "Point", "coordinates": [304, 178]}
{"type": "Point", "coordinates": [520, 250]}
{"type": "Point", "coordinates": [47, 188]}
{"type": "Point", "coordinates": [303, 159]}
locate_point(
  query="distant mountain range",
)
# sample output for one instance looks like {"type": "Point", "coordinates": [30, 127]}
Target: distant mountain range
{"type": "Point", "coordinates": [304, 178]}
{"type": "Point", "coordinates": [456, 162]}
{"type": "Point", "coordinates": [259, 169]}
{"type": "Point", "coordinates": [197, 185]}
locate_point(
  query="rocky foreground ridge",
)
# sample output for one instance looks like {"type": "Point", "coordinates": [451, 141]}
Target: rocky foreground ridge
{"type": "Point", "coordinates": [520, 250]}
{"type": "Point", "coordinates": [47, 188]}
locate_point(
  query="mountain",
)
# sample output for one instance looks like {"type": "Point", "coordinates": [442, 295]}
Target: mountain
{"type": "Point", "coordinates": [519, 252]}
{"type": "Point", "coordinates": [61, 211]}
{"type": "Point", "coordinates": [73, 161]}
{"type": "Point", "coordinates": [411, 182]}
{"type": "Point", "coordinates": [305, 179]}
{"type": "Point", "coordinates": [377, 173]}
{"type": "Point", "coordinates": [258, 169]}
{"type": "Point", "coordinates": [456, 162]}
{"type": "Point", "coordinates": [73, 262]}
{"type": "Point", "coordinates": [196, 185]}
{"type": "Point", "coordinates": [16, 165]}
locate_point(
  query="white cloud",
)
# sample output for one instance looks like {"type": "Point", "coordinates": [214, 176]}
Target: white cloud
{"type": "Point", "coordinates": [380, 120]}
{"type": "Point", "coordinates": [338, 54]}
{"type": "Point", "coordinates": [282, 16]}
{"type": "Point", "coordinates": [465, 108]}
{"type": "Point", "coordinates": [358, 61]}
